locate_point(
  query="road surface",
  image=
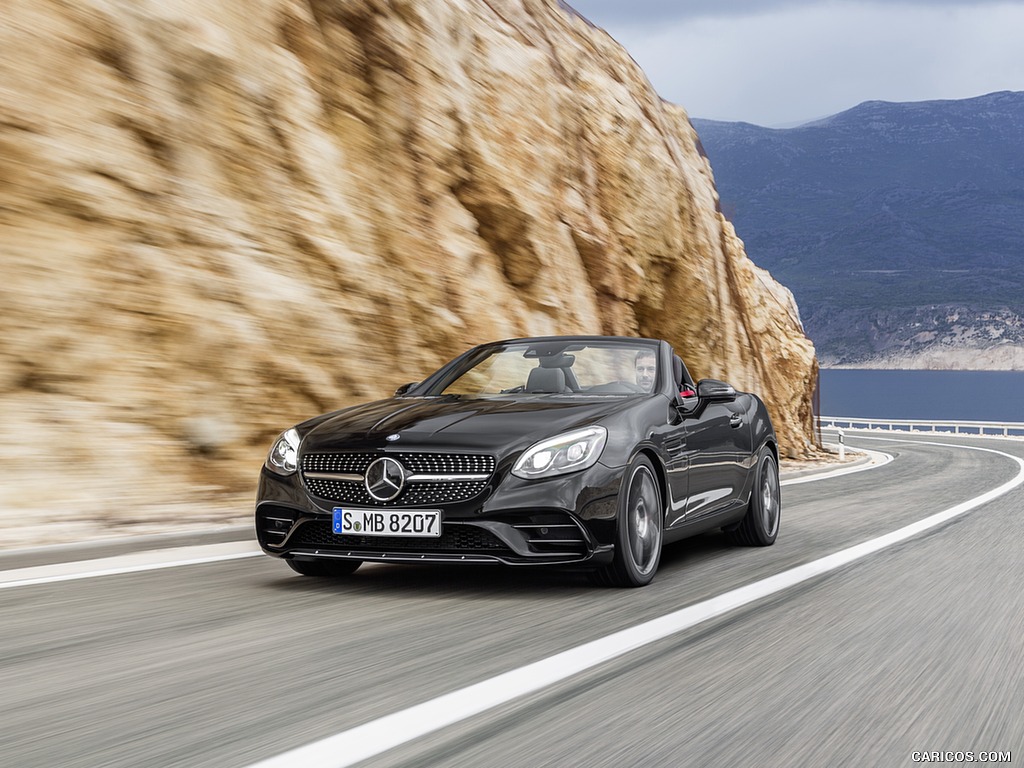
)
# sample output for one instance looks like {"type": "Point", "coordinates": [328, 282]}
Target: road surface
{"type": "Point", "coordinates": [916, 647]}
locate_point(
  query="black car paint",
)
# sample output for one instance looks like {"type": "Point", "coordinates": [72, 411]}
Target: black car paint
{"type": "Point", "coordinates": [704, 456]}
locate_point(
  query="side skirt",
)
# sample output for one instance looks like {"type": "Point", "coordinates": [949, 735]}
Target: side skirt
{"type": "Point", "coordinates": [721, 519]}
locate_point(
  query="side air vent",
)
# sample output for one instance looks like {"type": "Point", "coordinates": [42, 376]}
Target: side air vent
{"type": "Point", "coordinates": [552, 533]}
{"type": "Point", "coordinates": [273, 523]}
{"type": "Point", "coordinates": [675, 446]}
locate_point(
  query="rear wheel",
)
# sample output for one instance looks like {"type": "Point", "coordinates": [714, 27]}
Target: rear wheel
{"type": "Point", "coordinates": [638, 529]}
{"type": "Point", "coordinates": [324, 568]}
{"type": "Point", "coordinates": [760, 526]}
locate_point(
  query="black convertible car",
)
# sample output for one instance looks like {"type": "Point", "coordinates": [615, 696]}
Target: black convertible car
{"type": "Point", "coordinates": [578, 451]}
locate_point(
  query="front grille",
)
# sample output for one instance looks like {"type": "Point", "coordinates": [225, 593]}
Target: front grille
{"type": "Point", "coordinates": [416, 463]}
{"type": "Point", "coordinates": [338, 462]}
{"type": "Point", "coordinates": [416, 493]}
{"type": "Point", "coordinates": [453, 538]}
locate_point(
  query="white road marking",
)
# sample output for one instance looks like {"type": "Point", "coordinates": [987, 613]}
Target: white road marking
{"type": "Point", "coordinates": [373, 738]}
{"type": "Point", "coordinates": [878, 459]}
{"type": "Point", "coordinates": [137, 561]}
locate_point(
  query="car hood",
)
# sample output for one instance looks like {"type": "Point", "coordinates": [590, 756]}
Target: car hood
{"type": "Point", "coordinates": [494, 425]}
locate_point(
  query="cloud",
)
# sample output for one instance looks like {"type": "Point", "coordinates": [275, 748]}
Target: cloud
{"type": "Point", "coordinates": [646, 13]}
{"type": "Point", "coordinates": [799, 61]}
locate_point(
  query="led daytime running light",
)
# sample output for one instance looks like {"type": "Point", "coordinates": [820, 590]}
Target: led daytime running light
{"type": "Point", "coordinates": [559, 455]}
{"type": "Point", "coordinates": [284, 456]}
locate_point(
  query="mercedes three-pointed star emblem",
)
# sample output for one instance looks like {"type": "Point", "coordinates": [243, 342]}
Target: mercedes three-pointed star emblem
{"type": "Point", "coordinates": [384, 479]}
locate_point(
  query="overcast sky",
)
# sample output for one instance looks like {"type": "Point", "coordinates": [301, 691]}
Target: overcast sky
{"type": "Point", "coordinates": [781, 62]}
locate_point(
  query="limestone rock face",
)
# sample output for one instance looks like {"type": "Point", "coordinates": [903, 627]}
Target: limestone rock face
{"type": "Point", "coordinates": [220, 218]}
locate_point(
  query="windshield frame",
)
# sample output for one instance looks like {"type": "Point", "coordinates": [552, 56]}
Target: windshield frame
{"type": "Point", "coordinates": [435, 384]}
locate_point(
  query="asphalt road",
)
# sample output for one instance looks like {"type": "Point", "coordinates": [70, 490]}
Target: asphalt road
{"type": "Point", "coordinates": [919, 647]}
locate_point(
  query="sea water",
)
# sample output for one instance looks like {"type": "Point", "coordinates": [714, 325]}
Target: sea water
{"type": "Point", "coordinates": [921, 395]}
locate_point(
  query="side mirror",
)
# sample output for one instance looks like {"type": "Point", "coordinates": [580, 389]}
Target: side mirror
{"type": "Point", "coordinates": [405, 388]}
{"type": "Point", "coordinates": [715, 391]}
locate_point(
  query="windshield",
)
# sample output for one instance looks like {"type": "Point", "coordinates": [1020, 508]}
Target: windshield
{"type": "Point", "coordinates": [574, 368]}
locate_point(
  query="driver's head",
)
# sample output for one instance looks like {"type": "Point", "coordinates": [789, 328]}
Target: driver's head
{"type": "Point", "coordinates": [646, 367]}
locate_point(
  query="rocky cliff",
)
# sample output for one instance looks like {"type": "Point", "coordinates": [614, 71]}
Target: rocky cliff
{"type": "Point", "coordinates": [936, 337]}
{"type": "Point", "coordinates": [218, 218]}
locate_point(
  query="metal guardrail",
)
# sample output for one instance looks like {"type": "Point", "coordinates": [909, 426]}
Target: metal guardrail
{"type": "Point", "coordinates": [991, 428]}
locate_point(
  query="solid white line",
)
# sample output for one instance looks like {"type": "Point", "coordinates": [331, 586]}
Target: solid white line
{"type": "Point", "coordinates": [373, 738]}
{"type": "Point", "coordinates": [133, 563]}
{"type": "Point", "coordinates": [878, 459]}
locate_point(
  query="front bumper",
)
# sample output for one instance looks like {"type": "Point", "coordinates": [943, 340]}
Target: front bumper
{"type": "Point", "coordinates": [563, 521]}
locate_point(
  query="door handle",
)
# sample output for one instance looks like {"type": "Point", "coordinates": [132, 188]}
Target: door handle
{"type": "Point", "coordinates": [735, 420]}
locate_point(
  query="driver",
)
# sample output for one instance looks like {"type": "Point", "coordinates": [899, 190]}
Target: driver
{"type": "Point", "coordinates": [646, 366]}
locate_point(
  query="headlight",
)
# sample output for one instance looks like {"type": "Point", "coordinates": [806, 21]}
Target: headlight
{"type": "Point", "coordinates": [284, 456]}
{"type": "Point", "coordinates": [565, 453]}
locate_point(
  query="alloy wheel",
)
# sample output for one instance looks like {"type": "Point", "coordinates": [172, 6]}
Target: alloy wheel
{"type": "Point", "coordinates": [644, 526]}
{"type": "Point", "coordinates": [770, 501]}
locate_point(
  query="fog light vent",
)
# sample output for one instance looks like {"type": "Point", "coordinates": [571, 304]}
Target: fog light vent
{"type": "Point", "coordinates": [273, 524]}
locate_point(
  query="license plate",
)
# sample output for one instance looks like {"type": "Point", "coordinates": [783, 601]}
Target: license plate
{"type": "Point", "coordinates": [387, 522]}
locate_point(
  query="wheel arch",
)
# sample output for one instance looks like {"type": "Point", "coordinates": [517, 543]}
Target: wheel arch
{"type": "Point", "coordinates": [772, 446]}
{"type": "Point", "coordinates": [660, 475]}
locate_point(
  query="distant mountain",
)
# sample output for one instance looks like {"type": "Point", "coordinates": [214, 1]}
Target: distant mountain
{"type": "Point", "coordinates": [887, 213]}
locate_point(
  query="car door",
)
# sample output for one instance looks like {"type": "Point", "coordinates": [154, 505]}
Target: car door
{"type": "Point", "coordinates": [711, 447]}
{"type": "Point", "coordinates": [743, 412]}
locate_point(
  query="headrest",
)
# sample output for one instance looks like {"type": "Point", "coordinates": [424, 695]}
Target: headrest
{"type": "Point", "coordinates": [557, 361]}
{"type": "Point", "coordinates": [546, 380]}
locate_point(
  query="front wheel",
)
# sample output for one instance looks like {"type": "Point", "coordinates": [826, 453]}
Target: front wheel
{"type": "Point", "coordinates": [760, 526]}
{"type": "Point", "coordinates": [638, 529]}
{"type": "Point", "coordinates": [324, 568]}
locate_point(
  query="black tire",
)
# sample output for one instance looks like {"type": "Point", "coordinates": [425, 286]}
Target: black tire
{"type": "Point", "coordinates": [324, 568]}
{"type": "Point", "coordinates": [638, 530]}
{"type": "Point", "coordinates": [760, 526]}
